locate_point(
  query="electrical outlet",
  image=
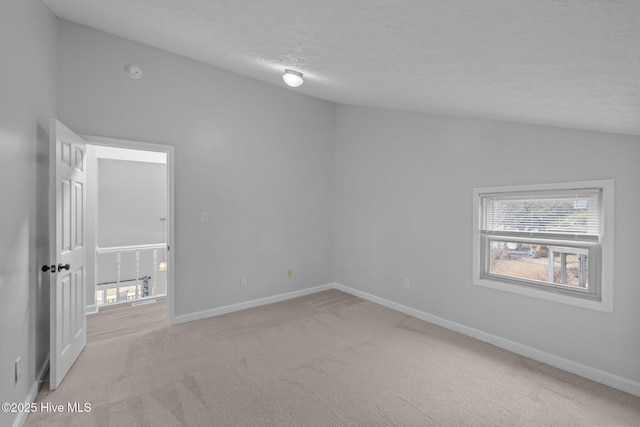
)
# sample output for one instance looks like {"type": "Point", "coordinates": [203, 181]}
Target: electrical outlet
{"type": "Point", "coordinates": [204, 216]}
{"type": "Point", "coordinates": [18, 368]}
{"type": "Point", "coordinates": [407, 283]}
{"type": "Point", "coordinates": [289, 272]}
{"type": "Point", "coordinates": [243, 280]}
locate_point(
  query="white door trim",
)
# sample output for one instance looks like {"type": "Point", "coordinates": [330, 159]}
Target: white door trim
{"type": "Point", "coordinates": [170, 152]}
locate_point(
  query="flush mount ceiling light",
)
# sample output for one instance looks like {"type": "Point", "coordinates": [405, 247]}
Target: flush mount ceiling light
{"type": "Point", "coordinates": [292, 78]}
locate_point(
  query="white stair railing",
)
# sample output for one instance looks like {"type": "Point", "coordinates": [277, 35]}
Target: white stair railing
{"type": "Point", "coordinates": [102, 288]}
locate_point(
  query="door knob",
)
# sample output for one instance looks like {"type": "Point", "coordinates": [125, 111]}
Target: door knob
{"type": "Point", "coordinates": [63, 267]}
{"type": "Point", "coordinates": [46, 268]}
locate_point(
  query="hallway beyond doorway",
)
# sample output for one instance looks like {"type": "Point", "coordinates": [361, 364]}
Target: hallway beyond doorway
{"type": "Point", "coordinates": [126, 319]}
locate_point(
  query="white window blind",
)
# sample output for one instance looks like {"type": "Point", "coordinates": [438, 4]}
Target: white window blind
{"type": "Point", "coordinates": [554, 214]}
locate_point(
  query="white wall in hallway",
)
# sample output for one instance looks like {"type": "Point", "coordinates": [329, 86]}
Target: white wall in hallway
{"type": "Point", "coordinates": [126, 197]}
{"type": "Point", "coordinates": [91, 221]}
{"type": "Point", "coordinates": [132, 199]}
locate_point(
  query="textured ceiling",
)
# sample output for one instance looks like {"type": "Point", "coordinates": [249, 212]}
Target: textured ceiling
{"type": "Point", "coordinates": [569, 63]}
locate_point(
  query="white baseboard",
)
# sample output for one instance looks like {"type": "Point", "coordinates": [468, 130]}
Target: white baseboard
{"type": "Point", "coordinates": [33, 392]}
{"type": "Point", "coordinates": [598, 375]}
{"type": "Point", "coordinates": [91, 309]}
{"type": "Point", "coordinates": [249, 304]}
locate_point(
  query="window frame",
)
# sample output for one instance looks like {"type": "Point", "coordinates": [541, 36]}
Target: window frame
{"type": "Point", "coordinates": [600, 257]}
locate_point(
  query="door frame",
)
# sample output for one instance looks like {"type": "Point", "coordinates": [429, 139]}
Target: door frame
{"type": "Point", "coordinates": [169, 150]}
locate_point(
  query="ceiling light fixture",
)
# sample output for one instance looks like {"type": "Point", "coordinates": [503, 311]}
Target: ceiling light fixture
{"type": "Point", "coordinates": [292, 78]}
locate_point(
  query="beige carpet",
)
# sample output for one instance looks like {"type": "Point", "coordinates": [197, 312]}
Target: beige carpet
{"type": "Point", "coordinates": [328, 359]}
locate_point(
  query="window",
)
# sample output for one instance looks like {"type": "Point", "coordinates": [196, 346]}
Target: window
{"type": "Point", "coordinates": [551, 241]}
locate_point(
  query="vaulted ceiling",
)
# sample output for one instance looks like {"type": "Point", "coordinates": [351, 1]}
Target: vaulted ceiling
{"type": "Point", "coordinates": [568, 63]}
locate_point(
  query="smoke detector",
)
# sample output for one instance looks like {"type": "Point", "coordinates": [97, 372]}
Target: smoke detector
{"type": "Point", "coordinates": [134, 71]}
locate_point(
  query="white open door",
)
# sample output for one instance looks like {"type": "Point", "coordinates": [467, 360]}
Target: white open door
{"type": "Point", "coordinates": [68, 251]}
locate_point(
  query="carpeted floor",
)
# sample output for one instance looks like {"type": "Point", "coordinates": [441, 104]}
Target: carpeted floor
{"type": "Point", "coordinates": [327, 359]}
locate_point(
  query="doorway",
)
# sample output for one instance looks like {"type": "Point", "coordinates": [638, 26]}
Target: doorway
{"type": "Point", "coordinates": [130, 230]}
{"type": "Point", "coordinates": [73, 245]}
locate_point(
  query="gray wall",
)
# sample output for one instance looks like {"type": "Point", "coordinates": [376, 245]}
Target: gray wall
{"type": "Point", "coordinates": [260, 159]}
{"type": "Point", "coordinates": [28, 75]}
{"type": "Point", "coordinates": [257, 157]}
{"type": "Point", "coordinates": [132, 197]}
{"type": "Point", "coordinates": [403, 208]}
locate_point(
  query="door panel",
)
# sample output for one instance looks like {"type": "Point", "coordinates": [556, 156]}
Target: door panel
{"type": "Point", "coordinates": [79, 211]}
{"type": "Point", "coordinates": [68, 201]}
{"type": "Point", "coordinates": [65, 212]}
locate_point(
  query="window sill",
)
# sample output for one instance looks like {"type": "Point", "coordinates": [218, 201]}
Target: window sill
{"type": "Point", "coordinates": [606, 305]}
